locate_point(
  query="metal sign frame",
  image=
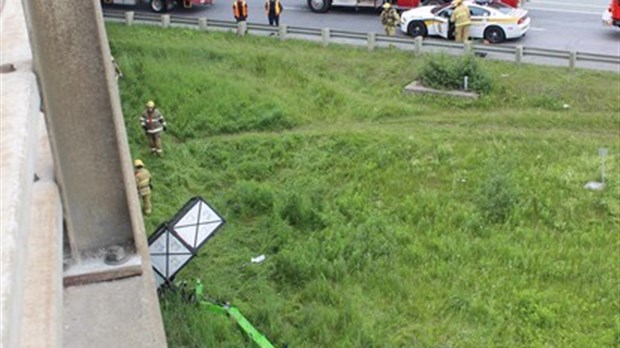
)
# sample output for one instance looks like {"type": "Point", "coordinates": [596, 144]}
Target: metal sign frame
{"type": "Point", "coordinates": [182, 213]}
{"type": "Point", "coordinates": [205, 215]}
{"type": "Point", "coordinates": [162, 230]}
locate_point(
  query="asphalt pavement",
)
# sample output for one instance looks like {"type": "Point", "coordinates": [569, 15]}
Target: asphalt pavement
{"type": "Point", "coordinates": [573, 25]}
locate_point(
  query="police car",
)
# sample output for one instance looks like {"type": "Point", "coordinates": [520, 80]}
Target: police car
{"type": "Point", "coordinates": [491, 20]}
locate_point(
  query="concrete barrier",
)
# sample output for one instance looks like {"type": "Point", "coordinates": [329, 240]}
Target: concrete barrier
{"type": "Point", "coordinates": [372, 39]}
{"type": "Point", "coordinates": [202, 24]}
{"type": "Point", "coordinates": [18, 138]}
{"type": "Point", "coordinates": [325, 34]}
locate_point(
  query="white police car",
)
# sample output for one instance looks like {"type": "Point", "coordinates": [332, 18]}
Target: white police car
{"type": "Point", "coordinates": [491, 20]}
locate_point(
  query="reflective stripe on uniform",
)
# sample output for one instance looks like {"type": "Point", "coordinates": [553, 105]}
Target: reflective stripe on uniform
{"type": "Point", "coordinates": [144, 183]}
{"type": "Point", "coordinates": [511, 20]}
{"type": "Point", "coordinates": [156, 130]}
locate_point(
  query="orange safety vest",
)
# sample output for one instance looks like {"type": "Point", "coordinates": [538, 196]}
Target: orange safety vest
{"type": "Point", "coordinates": [278, 7]}
{"type": "Point", "coordinates": [240, 13]}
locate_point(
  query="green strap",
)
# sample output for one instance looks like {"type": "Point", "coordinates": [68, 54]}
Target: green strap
{"type": "Point", "coordinates": [254, 334]}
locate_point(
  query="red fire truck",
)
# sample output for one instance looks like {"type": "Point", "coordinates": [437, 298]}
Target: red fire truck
{"type": "Point", "coordinates": [324, 5]}
{"type": "Point", "coordinates": [612, 15]}
{"type": "Point", "coordinates": [161, 5]}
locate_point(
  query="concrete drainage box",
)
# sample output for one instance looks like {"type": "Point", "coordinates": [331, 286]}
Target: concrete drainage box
{"type": "Point", "coordinates": [416, 87]}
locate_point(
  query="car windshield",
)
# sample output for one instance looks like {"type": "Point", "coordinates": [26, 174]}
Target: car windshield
{"type": "Point", "coordinates": [439, 8]}
{"type": "Point", "coordinates": [495, 4]}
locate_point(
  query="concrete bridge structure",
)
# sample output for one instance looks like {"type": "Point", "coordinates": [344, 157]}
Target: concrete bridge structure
{"type": "Point", "coordinates": [75, 269]}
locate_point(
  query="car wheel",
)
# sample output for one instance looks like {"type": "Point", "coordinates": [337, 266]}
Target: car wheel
{"type": "Point", "coordinates": [159, 6]}
{"type": "Point", "coordinates": [319, 6]}
{"type": "Point", "coordinates": [417, 28]}
{"type": "Point", "coordinates": [494, 34]}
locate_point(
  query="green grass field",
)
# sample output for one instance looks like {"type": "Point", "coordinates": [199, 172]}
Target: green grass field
{"type": "Point", "coordinates": [387, 220]}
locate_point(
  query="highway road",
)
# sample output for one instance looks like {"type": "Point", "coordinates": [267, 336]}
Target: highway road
{"type": "Point", "coordinates": [556, 24]}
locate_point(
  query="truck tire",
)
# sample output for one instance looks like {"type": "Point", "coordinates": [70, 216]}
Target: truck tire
{"type": "Point", "coordinates": [319, 6]}
{"type": "Point", "coordinates": [159, 6]}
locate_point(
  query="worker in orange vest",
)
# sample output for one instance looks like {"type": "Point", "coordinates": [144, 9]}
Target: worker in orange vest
{"type": "Point", "coordinates": [273, 9]}
{"type": "Point", "coordinates": [240, 11]}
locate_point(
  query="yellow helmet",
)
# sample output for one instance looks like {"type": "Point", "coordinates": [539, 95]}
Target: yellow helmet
{"type": "Point", "coordinates": [138, 163]}
{"type": "Point", "coordinates": [456, 2]}
{"type": "Point", "coordinates": [150, 104]}
{"type": "Point", "coordinates": [387, 5]}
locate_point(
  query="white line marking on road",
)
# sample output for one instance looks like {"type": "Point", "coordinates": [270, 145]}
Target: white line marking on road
{"type": "Point", "coordinates": [564, 11]}
{"type": "Point", "coordinates": [565, 3]}
{"type": "Point", "coordinates": [298, 8]}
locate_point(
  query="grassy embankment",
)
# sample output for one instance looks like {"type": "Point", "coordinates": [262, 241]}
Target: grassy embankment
{"type": "Point", "coordinates": [387, 220]}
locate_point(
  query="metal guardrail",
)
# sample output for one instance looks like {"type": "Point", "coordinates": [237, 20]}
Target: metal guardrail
{"type": "Point", "coordinates": [516, 53]}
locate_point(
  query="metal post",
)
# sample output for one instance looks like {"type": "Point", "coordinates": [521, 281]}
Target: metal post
{"type": "Point", "coordinates": [129, 18]}
{"type": "Point", "coordinates": [202, 24]}
{"type": "Point", "coordinates": [372, 38]}
{"type": "Point", "coordinates": [572, 60]}
{"type": "Point", "coordinates": [603, 171]}
{"type": "Point", "coordinates": [165, 20]}
{"type": "Point", "coordinates": [467, 46]}
{"type": "Point", "coordinates": [282, 31]}
{"type": "Point", "coordinates": [602, 152]}
{"type": "Point", "coordinates": [86, 125]}
{"type": "Point", "coordinates": [418, 45]}
{"type": "Point", "coordinates": [325, 36]}
{"type": "Point", "coordinates": [519, 54]}
{"type": "Point", "coordinates": [242, 28]}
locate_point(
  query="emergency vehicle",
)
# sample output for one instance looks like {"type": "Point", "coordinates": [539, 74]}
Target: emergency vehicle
{"type": "Point", "coordinates": [161, 5]}
{"type": "Point", "coordinates": [612, 15]}
{"type": "Point", "coordinates": [323, 6]}
{"type": "Point", "coordinates": [491, 20]}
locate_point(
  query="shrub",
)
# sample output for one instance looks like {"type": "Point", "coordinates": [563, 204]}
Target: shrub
{"type": "Point", "coordinates": [497, 198]}
{"type": "Point", "coordinates": [300, 213]}
{"type": "Point", "coordinates": [251, 199]}
{"type": "Point", "coordinates": [448, 72]}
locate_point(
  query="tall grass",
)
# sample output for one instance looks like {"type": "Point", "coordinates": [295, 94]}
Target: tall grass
{"type": "Point", "coordinates": [387, 220]}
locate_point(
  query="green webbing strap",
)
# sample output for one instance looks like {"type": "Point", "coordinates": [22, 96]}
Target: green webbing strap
{"type": "Point", "coordinates": [254, 334]}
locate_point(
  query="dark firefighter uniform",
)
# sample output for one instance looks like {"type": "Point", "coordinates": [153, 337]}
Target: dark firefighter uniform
{"type": "Point", "coordinates": [153, 123]}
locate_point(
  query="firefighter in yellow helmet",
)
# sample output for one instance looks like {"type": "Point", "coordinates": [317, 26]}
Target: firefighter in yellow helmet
{"type": "Point", "coordinates": [143, 184]}
{"type": "Point", "coordinates": [389, 18]}
{"type": "Point", "coordinates": [462, 20]}
{"type": "Point", "coordinates": [153, 123]}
